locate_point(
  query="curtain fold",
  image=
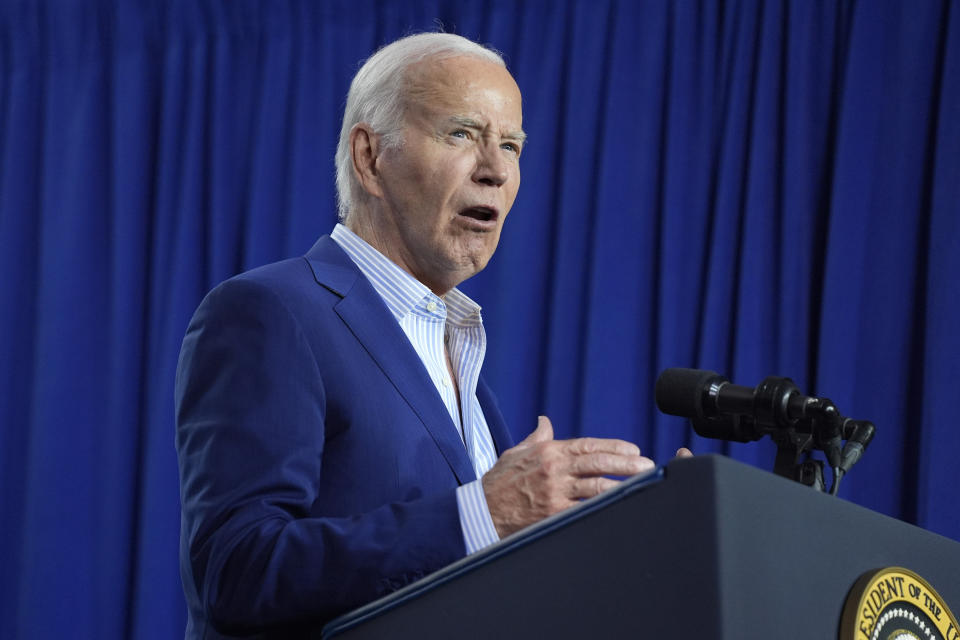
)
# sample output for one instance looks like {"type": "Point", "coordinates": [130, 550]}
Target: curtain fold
{"type": "Point", "coordinates": [755, 187]}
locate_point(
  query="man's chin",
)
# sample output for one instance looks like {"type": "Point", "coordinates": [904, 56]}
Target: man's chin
{"type": "Point", "coordinates": [473, 262]}
{"type": "Point", "coordinates": [463, 268]}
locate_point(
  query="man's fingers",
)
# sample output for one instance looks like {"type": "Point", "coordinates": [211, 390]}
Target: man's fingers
{"type": "Point", "coordinates": [602, 445]}
{"type": "Point", "coordinates": [541, 476]}
{"type": "Point", "coordinates": [584, 488]}
{"type": "Point", "coordinates": [683, 452]}
{"type": "Point", "coordinates": [608, 464]}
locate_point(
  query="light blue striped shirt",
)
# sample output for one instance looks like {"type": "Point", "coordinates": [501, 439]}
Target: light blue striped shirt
{"type": "Point", "coordinates": [430, 322]}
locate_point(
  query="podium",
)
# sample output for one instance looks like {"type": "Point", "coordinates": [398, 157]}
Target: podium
{"type": "Point", "coordinates": [704, 548]}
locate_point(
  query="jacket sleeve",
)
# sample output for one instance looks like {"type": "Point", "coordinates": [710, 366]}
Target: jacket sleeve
{"type": "Point", "coordinates": [251, 411]}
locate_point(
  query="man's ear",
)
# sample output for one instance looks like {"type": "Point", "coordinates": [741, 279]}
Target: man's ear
{"type": "Point", "coordinates": [364, 150]}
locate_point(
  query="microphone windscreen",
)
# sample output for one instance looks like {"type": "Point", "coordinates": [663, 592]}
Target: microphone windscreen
{"type": "Point", "coordinates": [679, 392]}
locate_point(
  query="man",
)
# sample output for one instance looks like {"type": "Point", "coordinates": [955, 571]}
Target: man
{"type": "Point", "coordinates": [335, 439]}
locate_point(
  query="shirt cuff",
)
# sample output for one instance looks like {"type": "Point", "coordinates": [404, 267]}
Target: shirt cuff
{"type": "Point", "coordinates": [475, 520]}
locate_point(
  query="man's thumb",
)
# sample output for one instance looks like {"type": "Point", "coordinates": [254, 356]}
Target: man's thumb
{"type": "Point", "coordinates": [543, 432]}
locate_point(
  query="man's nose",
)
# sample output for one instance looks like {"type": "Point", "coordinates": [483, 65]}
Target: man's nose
{"type": "Point", "coordinates": [493, 168]}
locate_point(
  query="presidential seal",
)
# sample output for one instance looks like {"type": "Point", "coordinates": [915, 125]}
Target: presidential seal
{"type": "Point", "coordinates": [896, 604]}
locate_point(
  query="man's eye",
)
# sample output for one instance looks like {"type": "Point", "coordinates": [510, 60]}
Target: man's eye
{"type": "Point", "coordinates": [460, 133]}
{"type": "Point", "coordinates": [510, 146]}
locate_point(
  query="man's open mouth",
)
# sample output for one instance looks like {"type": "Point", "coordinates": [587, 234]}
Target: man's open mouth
{"type": "Point", "coordinates": [484, 214]}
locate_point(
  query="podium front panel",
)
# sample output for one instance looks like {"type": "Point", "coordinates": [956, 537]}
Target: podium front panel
{"type": "Point", "coordinates": [710, 548]}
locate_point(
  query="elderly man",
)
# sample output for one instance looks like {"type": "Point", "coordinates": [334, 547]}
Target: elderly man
{"type": "Point", "coordinates": [336, 440]}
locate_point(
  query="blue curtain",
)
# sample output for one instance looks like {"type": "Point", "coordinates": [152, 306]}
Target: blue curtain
{"type": "Point", "coordinates": [754, 187]}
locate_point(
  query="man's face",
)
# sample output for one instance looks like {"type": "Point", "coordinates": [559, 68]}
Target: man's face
{"type": "Point", "coordinates": [446, 190]}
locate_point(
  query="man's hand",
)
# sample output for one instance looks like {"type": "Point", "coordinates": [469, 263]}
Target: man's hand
{"type": "Point", "coordinates": [541, 476]}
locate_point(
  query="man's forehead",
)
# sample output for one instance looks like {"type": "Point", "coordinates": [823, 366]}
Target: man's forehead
{"type": "Point", "coordinates": [462, 87]}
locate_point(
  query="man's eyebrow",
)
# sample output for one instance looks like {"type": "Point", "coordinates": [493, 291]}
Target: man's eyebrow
{"type": "Point", "coordinates": [466, 122]}
{"type": "Point", "coordinates": [470, 123]}
{"type": "Point", "coordinates": [517, 136]}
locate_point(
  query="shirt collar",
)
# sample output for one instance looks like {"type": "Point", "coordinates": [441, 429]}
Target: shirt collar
{"type": "Point", "coordinates": [401, 291]}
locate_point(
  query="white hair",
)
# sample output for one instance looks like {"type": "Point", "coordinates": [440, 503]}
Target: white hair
{"type": "Point", "coordinates": [377, 93]}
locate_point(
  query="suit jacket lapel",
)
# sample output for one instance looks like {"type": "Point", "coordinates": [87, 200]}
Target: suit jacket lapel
{"type": "Point", "coordinates": [502, 439]}
{"type": "Point", "coordinates": [368, 318]}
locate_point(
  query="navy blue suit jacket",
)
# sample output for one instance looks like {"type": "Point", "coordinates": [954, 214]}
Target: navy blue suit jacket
{"type": "Point", "coordinates": [318, 464]}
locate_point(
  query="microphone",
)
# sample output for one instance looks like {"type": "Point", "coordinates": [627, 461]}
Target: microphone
{"type": "Point", "coordinates": [720, 409]}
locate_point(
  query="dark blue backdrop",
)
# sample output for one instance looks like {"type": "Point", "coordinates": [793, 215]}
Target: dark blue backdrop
{"type": "Point", "coordinates": [752, 187]}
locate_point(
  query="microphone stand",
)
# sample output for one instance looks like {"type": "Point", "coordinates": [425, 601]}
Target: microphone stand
{"type": "Point", "coordinates": [825, 429]}
{"type": "Point", "coordinates": [792, 444]}
{"type": "Point", "coordinates": [816, 424]}
{"type": "Point", "coordinates": [798, 425]}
